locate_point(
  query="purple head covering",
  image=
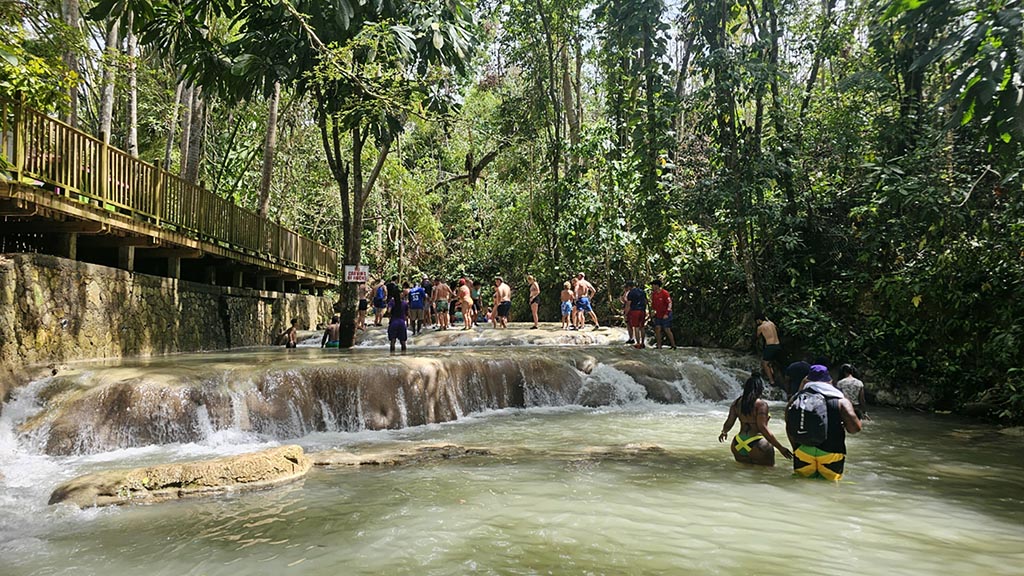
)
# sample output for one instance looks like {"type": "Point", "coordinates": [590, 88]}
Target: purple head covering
{"type": "Point", "coordinates": [818, 373]}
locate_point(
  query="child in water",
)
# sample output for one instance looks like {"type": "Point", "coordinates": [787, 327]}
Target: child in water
{"type": "Point", "coordinates": [290, 336]}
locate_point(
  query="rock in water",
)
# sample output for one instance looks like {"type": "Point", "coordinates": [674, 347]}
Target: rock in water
{"type": "Point", "coordinates": [171, 481]}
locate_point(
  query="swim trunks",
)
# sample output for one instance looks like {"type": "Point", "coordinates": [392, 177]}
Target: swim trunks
{"type": "Point", "coordinates": [665, 322]}
{"type": "Point", "coordinates": [813, 462]}
{"type": "Point", "coordinates": [535, 300]}
{"type": "Point", "coordinates": [504, 308]}
{"type": "Point", "coordinates": [745, 443]}
{"type": "Point", "coordinates": [584, 304]}
{"type": "Point", "coordinates": [378, 303]}
{"type": "Point", "coordinates": [770, 351]}
{"type": "Point", "coordinates": [333, 344]}
{"type": "Point", "coordinates": [636, 318]}
{"type": "Point", "coordinates": [441, 305]}
{"type": "Point", "coordinates": [363, 304]}
{"type": "Point", "coordinates": [566, 307]}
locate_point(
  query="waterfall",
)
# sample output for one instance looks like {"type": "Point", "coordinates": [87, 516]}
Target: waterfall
{"type": "Point", "coordinates": [192, 401]}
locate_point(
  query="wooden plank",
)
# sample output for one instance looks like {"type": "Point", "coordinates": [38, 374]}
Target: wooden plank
{"type": "Point", "coordinates": [119, 241]}
{"type": "Point", "coordinates": [51, 227]}
{"type": "Point", "coordinates": [180, 253]}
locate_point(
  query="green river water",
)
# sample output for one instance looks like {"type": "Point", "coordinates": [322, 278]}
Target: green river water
{"type": "Point", "coordinates": [566, 494]}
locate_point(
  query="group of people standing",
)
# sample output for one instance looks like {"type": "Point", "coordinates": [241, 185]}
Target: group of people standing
{"type": "Point", "coordinates": [819, 414]}
{"type": "Point", "coordinates": [637, 317]}
{"type": "Point", "coordinates": [576, 304]}
{"type": "Point", "coordinates": [414, 306]}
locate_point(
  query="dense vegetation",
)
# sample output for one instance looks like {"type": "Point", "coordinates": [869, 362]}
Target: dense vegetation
{"type": "Point", "coordinates": [852, 168]}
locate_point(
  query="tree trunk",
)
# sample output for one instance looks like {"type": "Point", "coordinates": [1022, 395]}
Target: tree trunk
{"type": "Point", "coordinates": [725, 105]}
{"type": "Point", "coordinates": [269, 147]}
{"type": "Point", "coordinates": [196, 136]}
{"type": "Point", "coordinates": [133, 91]}
{"type": "Point", "coordinates": [71, 12]}
{"type": "Point", "coordinates": [353, 192]}
{"type": "Point", "coordinates": [109, 76]}
{"type": "Point", "coordinates": [186, 128]}
{"type": "Point", "coordinates": [826, 24]}
{"type": "Point", "coordinates": [778, 114]}
{"type": "Point", "coordinates": [569, 101]}
{"type": "Point", "coordinates": [172, 123]}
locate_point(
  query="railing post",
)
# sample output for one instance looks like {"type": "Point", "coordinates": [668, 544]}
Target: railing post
{"type": "Point", "coordinates": [158, 176]}
{"type": "Point", "coordinates": [19, 135]}
{"type": "Point", "coordinates": [104, 169]}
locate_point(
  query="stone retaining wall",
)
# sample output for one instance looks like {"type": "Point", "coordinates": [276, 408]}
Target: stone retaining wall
{"type": "Point", "coordinates": [55, 310]}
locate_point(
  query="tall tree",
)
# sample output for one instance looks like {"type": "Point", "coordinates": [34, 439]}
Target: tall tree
{"type": "Point", "coordinates": [385, 60]}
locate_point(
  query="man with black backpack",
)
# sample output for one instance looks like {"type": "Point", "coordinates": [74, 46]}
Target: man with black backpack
{"type": "Point", "coordinates": [817, 420]}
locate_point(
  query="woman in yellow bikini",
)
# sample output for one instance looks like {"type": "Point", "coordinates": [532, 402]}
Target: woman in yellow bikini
{"type": "Point", "coordinates": [753, 445]}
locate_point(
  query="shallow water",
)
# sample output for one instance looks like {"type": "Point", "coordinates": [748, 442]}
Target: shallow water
{"type": "Point", "coordinates": [569, 491]}
{"type": "Point", "coordinates": [552, 506]}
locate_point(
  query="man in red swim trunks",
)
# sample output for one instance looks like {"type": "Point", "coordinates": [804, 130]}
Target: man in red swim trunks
{"type": "Point", "coordinates": [636, 315]}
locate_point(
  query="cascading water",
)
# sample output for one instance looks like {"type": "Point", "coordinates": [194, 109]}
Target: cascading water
{"type": "Point", "coordinates": [638, 485]}
{"type": "Point", "coordinates": [188, 402]}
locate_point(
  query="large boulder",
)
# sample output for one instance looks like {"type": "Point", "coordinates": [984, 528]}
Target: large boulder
{"type": "Point", "coordinates": [171, 481]}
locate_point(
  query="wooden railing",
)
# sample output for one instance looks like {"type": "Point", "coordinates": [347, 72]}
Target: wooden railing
{"type": "Point", "coordinates": [36, 147]}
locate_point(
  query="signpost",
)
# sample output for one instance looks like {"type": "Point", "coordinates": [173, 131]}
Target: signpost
{"type": "Point", "coordinates": [356, 273]}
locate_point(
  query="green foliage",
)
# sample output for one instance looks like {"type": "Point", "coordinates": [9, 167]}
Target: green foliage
{"type": "Point", "coordinates": [31, 68]}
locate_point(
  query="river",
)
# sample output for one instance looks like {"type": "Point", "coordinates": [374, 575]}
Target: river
{"type": "Point", "coordinates": [634, 487]}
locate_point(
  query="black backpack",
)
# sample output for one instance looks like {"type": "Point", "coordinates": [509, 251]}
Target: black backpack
{"type": "Point", "coordinates": [807, 417]}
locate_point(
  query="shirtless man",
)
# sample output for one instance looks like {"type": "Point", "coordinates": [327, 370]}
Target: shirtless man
{"type": "Point", "coordinates": [361, 292]}
{"type": "Point", "coordinates": [584, 292]}
{"type": "Point", "coordinates": [332, 335]}
{"type": "Point", "coordinates": [502, 302]}
{"type": "Point", "coordinates": [442, 294]}
{"type": "Point", "coordinates": [766, 329]}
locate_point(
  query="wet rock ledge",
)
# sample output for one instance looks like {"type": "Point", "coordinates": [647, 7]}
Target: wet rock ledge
{"type": "Point", "coordinates": [172, 481]}
{"type": "Point", "coordinates": [281, 465]}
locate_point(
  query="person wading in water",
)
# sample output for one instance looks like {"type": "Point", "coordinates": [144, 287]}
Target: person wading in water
{"type": "Point", "coordinates": [753, 444]}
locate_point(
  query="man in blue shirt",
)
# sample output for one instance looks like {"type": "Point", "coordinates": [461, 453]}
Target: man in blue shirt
{"type": "Point", "coordinates": [637, 315]}
{"type": "Point", "coordinates": [417, 302]}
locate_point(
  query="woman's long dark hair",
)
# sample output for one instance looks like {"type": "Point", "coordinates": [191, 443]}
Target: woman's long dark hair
{"type": "Point", "coordinates": [752, 390]}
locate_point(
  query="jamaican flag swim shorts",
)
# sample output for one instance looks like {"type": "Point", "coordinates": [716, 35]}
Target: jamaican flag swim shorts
{"type": "Point", "coordinates": [812, 462]}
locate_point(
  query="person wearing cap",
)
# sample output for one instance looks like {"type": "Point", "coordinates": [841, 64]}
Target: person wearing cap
{"type": "Point", "coordinates": [828, 458]}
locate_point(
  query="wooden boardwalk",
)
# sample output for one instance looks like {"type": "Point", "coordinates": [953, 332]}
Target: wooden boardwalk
{"type": "Point", "coordinates": [65, 192]}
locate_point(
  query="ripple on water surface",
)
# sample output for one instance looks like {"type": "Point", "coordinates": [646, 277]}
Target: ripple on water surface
{"type": "Point", "coordinates": [575, 491]}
